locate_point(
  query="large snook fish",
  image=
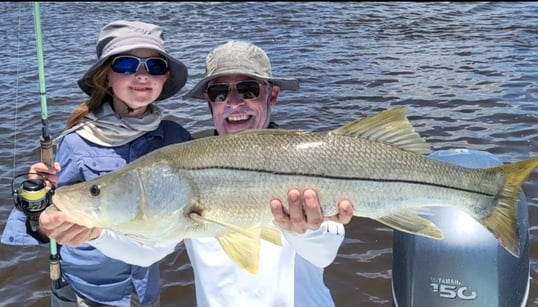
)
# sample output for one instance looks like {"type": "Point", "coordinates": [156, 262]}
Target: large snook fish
{"type": "Point", "coordinates": [221, 186]}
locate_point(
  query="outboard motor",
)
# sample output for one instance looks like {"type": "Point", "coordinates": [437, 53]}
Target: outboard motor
{"type": "Point", "coordinates": [468, 267]}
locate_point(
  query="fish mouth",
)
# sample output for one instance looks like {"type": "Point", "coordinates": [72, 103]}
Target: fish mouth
{"type": "Point", "coordinates": [72, 215]}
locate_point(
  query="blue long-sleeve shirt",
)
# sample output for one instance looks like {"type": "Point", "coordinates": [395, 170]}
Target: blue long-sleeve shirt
{"type": "Point", "coordinates": [85, 268]}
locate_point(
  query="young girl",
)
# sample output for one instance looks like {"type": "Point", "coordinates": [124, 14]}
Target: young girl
{"type": "Point", "coordinates": [119, 123]}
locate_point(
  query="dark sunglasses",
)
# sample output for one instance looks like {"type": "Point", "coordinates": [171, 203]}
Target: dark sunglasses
{"type": "Point", "coordinates": [128, 64]}
{"type": "Point", "coordinates": [248, 89]}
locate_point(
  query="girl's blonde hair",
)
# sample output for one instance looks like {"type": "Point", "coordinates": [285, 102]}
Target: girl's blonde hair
{"type": "Point", "coordinates": [101, 94]}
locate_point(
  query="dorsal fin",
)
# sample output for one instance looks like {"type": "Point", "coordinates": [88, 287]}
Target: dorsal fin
{"type": "Point", "coordinates": [391, 127]}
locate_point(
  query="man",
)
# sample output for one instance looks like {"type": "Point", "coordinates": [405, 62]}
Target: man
{"type": "Point", "coordinates": [241, 91]}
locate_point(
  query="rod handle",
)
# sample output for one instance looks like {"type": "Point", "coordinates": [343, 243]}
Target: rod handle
{"type": "Point", "coordinates": [47, 154]}
{"type": "Point", "coordinates": [55, 270]}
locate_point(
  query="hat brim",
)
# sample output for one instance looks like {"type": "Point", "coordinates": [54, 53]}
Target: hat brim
{"type": "Point", "coordinates": [199, 89]}
{"type": "Point", "coordinates": [178, 72]}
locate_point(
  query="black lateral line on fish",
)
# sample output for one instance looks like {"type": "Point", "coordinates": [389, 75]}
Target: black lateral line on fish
{"type": "Point", "coordinates": [340, 178]}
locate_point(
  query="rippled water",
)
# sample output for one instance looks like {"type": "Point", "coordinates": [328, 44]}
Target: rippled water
{"type": "Point", "coordinates": [465, 71]}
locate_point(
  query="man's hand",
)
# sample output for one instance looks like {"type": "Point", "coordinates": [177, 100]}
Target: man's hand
{"type": "Point", "coordinates": [53, 224]}
{"type": "Point", "coordinates": [305, 211]}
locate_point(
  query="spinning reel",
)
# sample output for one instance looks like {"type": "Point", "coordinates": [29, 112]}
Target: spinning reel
{"type": "Point", "coordinates": [31, 196]}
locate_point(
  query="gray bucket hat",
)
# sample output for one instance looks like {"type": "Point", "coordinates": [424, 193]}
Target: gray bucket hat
{"type": "Point", "coordinates": [122, 36]}
{"type": "Point", "coordinates": [239, 58]}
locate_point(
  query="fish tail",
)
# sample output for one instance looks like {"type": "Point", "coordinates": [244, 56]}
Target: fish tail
{"type": "Point", "coordinates": [503, 222]}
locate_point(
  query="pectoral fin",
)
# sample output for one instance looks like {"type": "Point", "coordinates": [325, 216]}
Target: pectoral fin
{"type": "Point", "coordinates": [243, 245]}
{"type": "Point", "coordinates": [243, 250]}
{"type": "Point", "coordinates": [413, 224]}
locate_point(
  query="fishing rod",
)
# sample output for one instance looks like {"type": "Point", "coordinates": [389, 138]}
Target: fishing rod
{"type": "Point", "coordinates": [32, 196]}
{"type": "Point", "coordinates": [47, 154]}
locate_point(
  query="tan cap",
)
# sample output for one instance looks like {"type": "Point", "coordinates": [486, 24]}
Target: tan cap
{"type": "Point", "coordinates": [239, 58]}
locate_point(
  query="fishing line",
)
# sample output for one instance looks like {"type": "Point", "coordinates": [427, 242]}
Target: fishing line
{"type": "Point", "coordinates": [15, 119]}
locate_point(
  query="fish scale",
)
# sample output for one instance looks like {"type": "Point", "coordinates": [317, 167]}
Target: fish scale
{"type": "Point", "coordinates": [328, 155]}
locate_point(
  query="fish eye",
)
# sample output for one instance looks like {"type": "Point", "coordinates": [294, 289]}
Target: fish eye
{"type": "Point", "coordinates": [95, 190]}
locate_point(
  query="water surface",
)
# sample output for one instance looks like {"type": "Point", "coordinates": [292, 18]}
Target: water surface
{"type": "Point", "coordinates": [465, 71]}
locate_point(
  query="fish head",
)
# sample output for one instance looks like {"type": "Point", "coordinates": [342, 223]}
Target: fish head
{"type": "Point", "coordinates": [131, 201]}
{"type": "Point", "coordinates": [107, 200]}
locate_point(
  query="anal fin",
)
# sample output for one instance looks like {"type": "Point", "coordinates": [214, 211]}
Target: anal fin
{"type": "Point", "coordinates": [413, 224]}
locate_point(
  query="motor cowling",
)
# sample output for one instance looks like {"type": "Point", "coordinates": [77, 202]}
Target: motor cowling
{"type": "Point", "coordinates": [468, 267]}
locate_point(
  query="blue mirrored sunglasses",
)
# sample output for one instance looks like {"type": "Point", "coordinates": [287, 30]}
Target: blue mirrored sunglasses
{"type": "Point", "coordinates": [128, 64]}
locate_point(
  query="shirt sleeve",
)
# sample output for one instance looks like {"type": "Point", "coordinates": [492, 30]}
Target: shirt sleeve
{"type": "Point", "coordinates": [16, 232]}
{"type": "Point", "coordinates": [319, 247]}
{"type": "Point", "coordinates": [119, 247]}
